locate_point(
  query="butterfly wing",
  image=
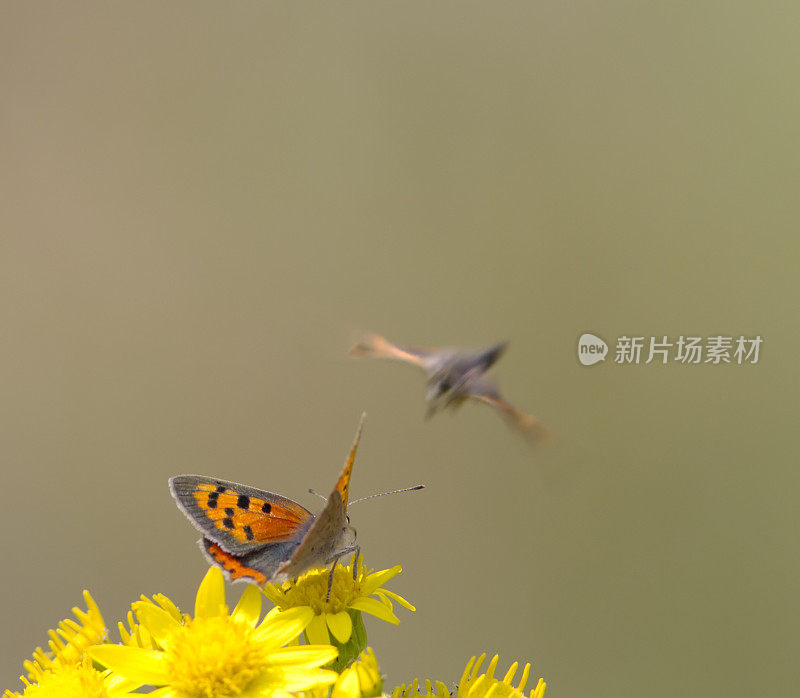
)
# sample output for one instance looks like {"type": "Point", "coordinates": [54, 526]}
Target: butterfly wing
{"type": "Point", "coordinates": [342, 487]}
{"type": "Point", "coordinates": [371, 345]}
{"type": "Point", "coordinates": [527, 424]}
{"type": "Point", "coordinates": [260, 565]}
{"type": "Point", "coordinates": [486, 358]}
{"type": "Point", "coordinates": [326, 537]}
{"type": "Point", "coordinates": [236, 517]}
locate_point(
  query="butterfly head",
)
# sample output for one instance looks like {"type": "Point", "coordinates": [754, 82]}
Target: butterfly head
{"type": "Point", "coordinates": [349, 534]}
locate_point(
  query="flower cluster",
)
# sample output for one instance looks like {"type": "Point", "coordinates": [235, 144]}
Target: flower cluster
{"type": "Point", "coordinates": [65, 670]}
{"type": "Point", "coordinates": [217, 653]}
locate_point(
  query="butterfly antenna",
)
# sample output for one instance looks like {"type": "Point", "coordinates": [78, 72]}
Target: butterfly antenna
{"type": "Point", "coordinates": [381, 494]}
{"type": "Point", "coordinates": [313, 491]}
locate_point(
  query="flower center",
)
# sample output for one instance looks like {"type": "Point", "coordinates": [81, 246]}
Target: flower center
{"type": "Point", "coordinates": [214, 657]}
{"type": "Point", "coordinates": [312, 590]}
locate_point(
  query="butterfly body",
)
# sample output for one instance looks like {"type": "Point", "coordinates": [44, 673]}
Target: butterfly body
{"type": "Point", "coordinates": [453, 376]}
{"type": "Point", "coordinates": [258, 536]}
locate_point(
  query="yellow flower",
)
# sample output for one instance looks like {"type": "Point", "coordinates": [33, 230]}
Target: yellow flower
{"type": "Point", "coordinates": [79, 680]}
{"type": "Point", "coordinates": [474, 685]}
{"type": "Point", "coordinates": [67, 643]}
{"type": "Point", "coordinates": [348, 592]}
{"type": "Point", "coordinates": [362, 679]}
{"type": "Point", "coordinates": [216, 655]}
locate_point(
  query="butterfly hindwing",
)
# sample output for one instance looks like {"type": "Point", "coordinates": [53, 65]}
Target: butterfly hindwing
{"type": "Point", "coordinates": [259, 565]}
{"type": "Point", "coordinates": [236, 517]}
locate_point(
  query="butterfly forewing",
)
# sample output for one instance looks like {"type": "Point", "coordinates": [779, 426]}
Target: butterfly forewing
{"type": "Point", "coordinates": [326, 537]}
{"type": "Point", "coordinates": [238, 517]}
{"type": "Point", "coordinates": [343, 483]}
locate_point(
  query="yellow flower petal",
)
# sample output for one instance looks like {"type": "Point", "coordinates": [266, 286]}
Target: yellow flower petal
{"type": "Point", "coordinates": [467, 669]}
{"type": "Point", "coordinates": [144, 638]}
{"type": "Point", "coordinates": [210, 600]}
{"type": "Point", "coordinates": [272, 613]}
{"type": "Point", "coordinates": [347, 687]}
{"type": "Point", "coordinates": [341, 625]}
{"type": "Point", "coordinates": [303, 656]}
{"type": "Point", "coordinates": [405, 604]}
{"type": "Point", "coordinates": [120, 686]}
{"type": "Point", "coordinates": [158, 622]}
{"type": "Point", "coordinates": [509, 677]}
{"type": "Point", "coordinates": [524, 680]}
{"type": "Point", "coordinates": [375, 608]}
{"type": "Point", "coordinates": [249, 607]}
{"type": "Point", "coordinates": [492, 666]}
{"type": "Point", "coordinates": [168, 605]}
{"type": "Point", "coordinates": [284, 627]}
{"type": "Point", "coordinates": [134, 663]}
{"type": "Point", "coordinates": [123, 631]}
{"type": "Point", "coordinates": [376, 580]}
{"type": "Point", "coordinates": [273, 593]}
{"type": "Point", "coordinates": [317, 631]}
{"type": "Point", "coordinates": [302, 680]}
{"type": "Point", "coordinates": [92, 612]}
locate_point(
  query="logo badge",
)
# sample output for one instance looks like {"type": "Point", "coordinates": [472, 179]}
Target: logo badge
{"type": "Point", "coordinates": [591, 349]}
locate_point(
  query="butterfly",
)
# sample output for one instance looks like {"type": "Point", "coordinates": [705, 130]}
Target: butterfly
{"type": "Point", "coordinates": [453, 376]}
{"type": "Point", "coordinates": [257, 536]}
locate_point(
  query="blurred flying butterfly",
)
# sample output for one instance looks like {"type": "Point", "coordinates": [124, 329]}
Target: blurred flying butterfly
{"type": "Point", "coordinates": [453, 377]}
{"type": "Point", "coordinates": [257, 536]}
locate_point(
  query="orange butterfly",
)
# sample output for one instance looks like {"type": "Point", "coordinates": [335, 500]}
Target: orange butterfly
{"type": "Point", "coordinates": [258, 536]}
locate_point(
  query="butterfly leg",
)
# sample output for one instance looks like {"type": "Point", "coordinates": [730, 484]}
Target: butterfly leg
{"type": "Point", "coordinates": [330, 579]}
{"type": "Point", "coordinates": [351, 549]}
{"type": "Point", "coordinates": [356, 555]}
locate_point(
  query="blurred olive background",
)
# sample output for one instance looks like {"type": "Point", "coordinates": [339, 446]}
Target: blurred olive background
{"type": "Point", "coordinates": [201, 202]}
